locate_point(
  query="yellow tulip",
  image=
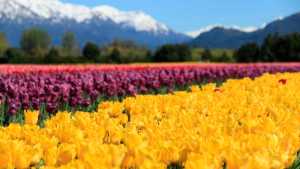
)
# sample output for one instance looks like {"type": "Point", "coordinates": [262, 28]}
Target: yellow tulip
{"type": "Point", "coordinates": [129, 161]}
{"type": "Point", "coordinates": [244, 124]}
{"type": "Point", "coordinates": [22, 162]}
{"type": "Point", "coordinates": [195, 88]}
{"type": "Point", "coordinates": [5, 161]}
{"type": "Point", "coordinates": [31, 117]}
{"type": "Point", "coordinates": [50, 156]}
{"type": "Point", "coordinates": [66, 153]}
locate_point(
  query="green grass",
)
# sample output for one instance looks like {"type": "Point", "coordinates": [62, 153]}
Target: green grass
{"type": "Point", "coordinates": [296, 164]}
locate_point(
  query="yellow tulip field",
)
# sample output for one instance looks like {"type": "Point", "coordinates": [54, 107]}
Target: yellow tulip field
{"type": "Point", "coordinates": [242, 124]}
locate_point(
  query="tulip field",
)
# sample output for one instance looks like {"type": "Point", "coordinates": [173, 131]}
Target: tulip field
{"type": "Point", "coordinates": [162, 116]}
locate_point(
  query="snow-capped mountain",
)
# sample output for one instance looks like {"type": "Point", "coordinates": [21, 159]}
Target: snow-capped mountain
{"type": "Point", "coordinates": [101, 24]}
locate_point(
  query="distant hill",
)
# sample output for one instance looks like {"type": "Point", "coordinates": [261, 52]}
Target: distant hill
{"type": "Point", "coordinates": [100, 24]}
{"type": "Point", "coordinates": [220, 37]}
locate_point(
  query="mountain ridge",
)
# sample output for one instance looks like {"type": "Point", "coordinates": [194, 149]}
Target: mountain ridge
{"type": "Point", "coordinates": [101, 24]}
{"type": "Point", "coordinates": [220, 37]}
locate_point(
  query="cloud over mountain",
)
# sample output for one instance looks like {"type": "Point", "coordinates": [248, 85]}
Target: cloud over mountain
{"type": "Point", "coordinates": [210, 27]}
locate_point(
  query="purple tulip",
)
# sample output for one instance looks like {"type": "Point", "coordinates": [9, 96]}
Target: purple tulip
{"type": "Point", "coordinates": [81, 87]}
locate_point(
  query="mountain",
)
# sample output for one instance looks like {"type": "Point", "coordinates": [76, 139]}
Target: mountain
{"type": "Point", "coordinates": [100, 24]}
{"type": "Point", "coordinates": [221, 37]}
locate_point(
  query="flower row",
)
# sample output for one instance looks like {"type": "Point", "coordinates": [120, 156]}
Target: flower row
{"type": "Point", "coordinates": [83, 85]}
{"type": "Point", "coordinates": [243, 124]}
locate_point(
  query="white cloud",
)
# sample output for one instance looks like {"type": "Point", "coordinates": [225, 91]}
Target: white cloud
{"type": "Point", "coordinates": [202, 30]}
{"type": "Point", "coordinates": [263, 25]}
{"type": "Point", "coordinates": [210, 27]}
{"type": "Point", "coordinates": [245, 29]}
{"type": "Point", "coordinates": [279, 18]}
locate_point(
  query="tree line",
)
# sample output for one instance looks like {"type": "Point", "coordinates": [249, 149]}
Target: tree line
{"type": "Point", "coordinates": [36, 47]}
{"type": "Point", "coordinates": [275, 48]}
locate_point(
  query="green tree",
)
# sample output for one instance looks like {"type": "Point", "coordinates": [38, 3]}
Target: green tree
{"type": "Point", "coordinates": [249, 52]}
{"type": "Point", "coordinates": [206, 55]}
{"type": "Point", "coordinates": [184, 52]}
{"type": "Point", "coordinates": [281, 48]}
{"type": "Point", "coordinates": [294, 47]}
{"type": "Point", "coordinates": [267, 48]}
{"type": "Point", "coordinates": [115, 56]}
{"type": "Point", "coordinates": [165, 53]}
{"type": "Point", "coordinates": [69, 44]}
{"type": "Point", "coordinates": [224, 54]}
{"type": "Point", "coordinates": [91, 51]}
{"type": "Point", "coordinates": [224, 57]}
{"type": "Point", "coordinates": [35, 41]}
{"type": "Point", "coordinates": [52, 56]}
{"type": "Point", "coordinates": [124, 51]}
{"type": "Point", "coordinates": [15, 55]}
{"type": "Point", "coordinates": [124, 44]}
{"type": "Point", "coordinates": [4, 45]}
{"type": "Point", "coordinates": [173, 53]}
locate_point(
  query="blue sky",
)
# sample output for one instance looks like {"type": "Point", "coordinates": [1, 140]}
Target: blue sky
{"type": "Point", "coordinates": [190, 15]}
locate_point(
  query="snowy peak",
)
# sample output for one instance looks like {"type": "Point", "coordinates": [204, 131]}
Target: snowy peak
{"type": "Point", "coordinates": [100, 24]}
{"type": "Point", "coordinates": [43, 9]}
{"type": "Point", "coordinates": [57, 10]}
{"type": "Point", "coordinates": [137, 19]}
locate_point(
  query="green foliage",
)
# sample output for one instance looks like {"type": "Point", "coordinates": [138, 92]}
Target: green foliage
{"type": "Point", "coordinates": [14, 55]}
{"type": "Point", "coordinates": [212, 55]}
{"type": "Point", "coordinates": [223, 55]}
{"type": "Point", "coordinates": [91, 51]}
{"type": "Point", "coordinates": [115, 56]}
{"type": "Point", "coordinates": [296, 164]}
{"type": "Point", "coordinates": [173, 53]}
{"type": "Point", "coordinates": [52, 55]}
{"type": "Point", "coordinates": [281, 48]}
{"type": "Point", "coordinates": [267, 48]}
{"type": "Point", "coordinates": [274, 48]}
{"type": "Point", "coordinates": [123, 44]}
{"type": "Point", "coordinates": [206, 55]}
{"type": "Point", "coordinates": [125, 52]}
{"type": "Point", "coordinates": [248, 53]}
{"type": "Point", "coordinates": [196, 54]}
{"type": "Point", "coordinates": [69, 41]}
{"type": "Point", "coordinates": [35, 41]}
{"type": "Point", "coordinates": [69, 45]}
{"type": "Point", "coordinates": [40, 164]}
{"type": "Point", "coordinates": [4, 45]}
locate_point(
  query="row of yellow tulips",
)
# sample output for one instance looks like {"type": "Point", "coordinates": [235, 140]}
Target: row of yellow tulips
{"type": "Point", "coordinates": [249, 124]}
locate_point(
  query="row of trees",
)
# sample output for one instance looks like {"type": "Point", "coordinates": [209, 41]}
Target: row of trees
{"type": "Point", "coordinates": [181, 52]}
{"type": "Point", "coordinates": [274, 48]}
{"type": "Point", "coordinates": [36, 47]}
